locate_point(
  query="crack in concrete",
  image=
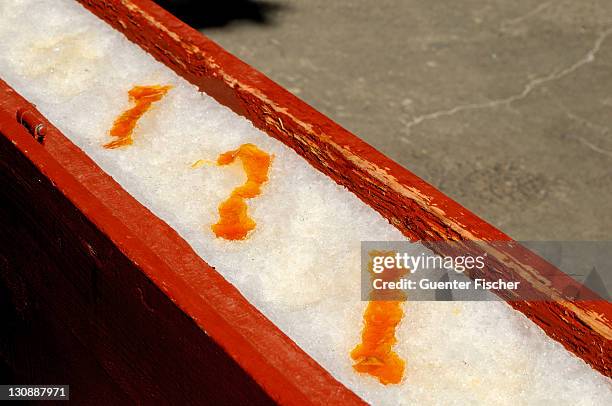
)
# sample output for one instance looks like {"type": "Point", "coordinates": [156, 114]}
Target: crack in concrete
{"type": "Point", "coordinates": [591, 146]}
{"type": "Point", "coordinates": [602, 129]}
{"type": "Point", "coordinates": [528, 88]}
{"type": "Point", "coordinates": [505, 24]}
{"type": "Point", "coordinates": [573, 116]}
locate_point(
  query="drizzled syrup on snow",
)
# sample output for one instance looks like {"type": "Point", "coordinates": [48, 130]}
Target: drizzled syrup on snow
{"type": "Point", "coordinates": [234, 222]}
{"type": "Point", "coordinates": [375, 355]}
{"type": "Point", "coordinates": [123, 127]}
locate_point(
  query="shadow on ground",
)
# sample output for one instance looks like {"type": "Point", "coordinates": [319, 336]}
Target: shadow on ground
{"type": "Point", "coordinates": [219, 13]}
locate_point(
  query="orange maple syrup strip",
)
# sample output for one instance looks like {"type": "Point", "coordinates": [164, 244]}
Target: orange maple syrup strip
{"type": "Point", "coordinates": [234, 222]}
{"type": "Point", "coordinates": [375, 355]}
{"type": "Point", "coordinates": [123, 127]}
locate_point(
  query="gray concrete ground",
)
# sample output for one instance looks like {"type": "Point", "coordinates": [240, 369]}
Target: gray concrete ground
{"type": "Point", "coordinates": [503, 105]}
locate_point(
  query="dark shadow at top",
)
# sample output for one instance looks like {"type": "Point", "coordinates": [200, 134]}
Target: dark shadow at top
{"type": "Point", "coordinates": [219, 13]}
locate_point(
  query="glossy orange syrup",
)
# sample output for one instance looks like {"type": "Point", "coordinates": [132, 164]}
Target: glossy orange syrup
{"type": "Point", "coordinates": [123, 127]}
{"type": "Point", "coordinates": [375, 355]}
{"type": "Point", "coordinates": [234, 222]}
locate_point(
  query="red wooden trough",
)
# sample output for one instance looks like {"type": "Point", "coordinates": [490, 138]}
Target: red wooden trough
{"type": "Point", "coordinates": [102, 287]}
